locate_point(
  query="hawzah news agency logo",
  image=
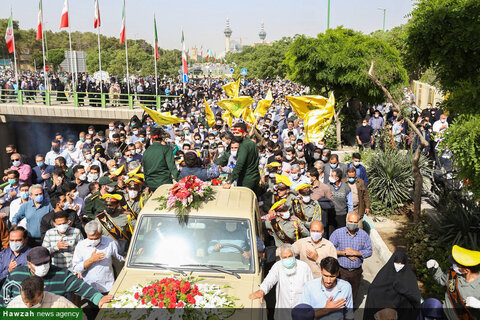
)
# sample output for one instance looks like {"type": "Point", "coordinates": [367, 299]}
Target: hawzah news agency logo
{"type": "Point", "coordinates": [7, 293]}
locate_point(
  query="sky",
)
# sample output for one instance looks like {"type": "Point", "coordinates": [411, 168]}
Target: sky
{"type": "Point", "coordinates": [203, 21]}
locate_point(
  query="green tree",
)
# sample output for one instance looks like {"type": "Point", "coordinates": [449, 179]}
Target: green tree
{"type": "Point", "coordinates": [56, 57]}
{"type": "Point", "coordinates": [338, 61]}
{"type": "Point", "coordinates": [445, 35]}
{"type": "Point", "coordinates": [262, 61]}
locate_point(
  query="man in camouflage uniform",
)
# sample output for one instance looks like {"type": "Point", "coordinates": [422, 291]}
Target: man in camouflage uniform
{"type": "Point", "coordinates": [136, 195]}
{"type": "Point", "coordinates": [284, 227]}
{"type": "Point", "coordinates": [304, 207]}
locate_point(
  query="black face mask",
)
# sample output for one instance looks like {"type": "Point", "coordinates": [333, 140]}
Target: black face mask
{"type": "Point", "coordinates": [110, 210]}
{"type": "Point", "coordinates": [56, 149]}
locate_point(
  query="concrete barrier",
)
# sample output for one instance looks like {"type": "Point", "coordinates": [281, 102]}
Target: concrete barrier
{"type": "Point", "coordinates": [378, 244]}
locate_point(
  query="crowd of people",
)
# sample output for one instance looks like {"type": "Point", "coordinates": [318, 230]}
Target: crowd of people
{"type": "Point", "coordinates": [68, 214]}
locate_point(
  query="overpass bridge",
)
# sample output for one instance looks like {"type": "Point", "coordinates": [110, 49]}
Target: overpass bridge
{"type": "Point", "coordinates": [53, 107]}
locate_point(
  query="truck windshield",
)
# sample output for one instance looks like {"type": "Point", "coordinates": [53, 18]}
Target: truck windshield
{"type": "Point", "coordinates": [225, 243]}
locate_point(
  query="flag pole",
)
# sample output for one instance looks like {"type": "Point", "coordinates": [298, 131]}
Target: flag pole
{"type": "Point", "coordinates": [71, 51]}
{"type": "Point", "coordinates": [155, 50]}
{"type": "Point", "coordinates": [43, 51]}
{"type": "Point", "coordinates": [126, 48]}
{"type": "Point", "coordinates": [97, 11]}
{"type": "Point", "coordinates": [183, 67]}
{"type": "Point", "coordinates": [14, 52]}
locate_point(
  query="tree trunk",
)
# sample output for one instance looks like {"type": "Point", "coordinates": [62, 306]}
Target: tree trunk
{"type": "Point", "coordinates": [338, 124]}
{"type": "Point", "coordinates": [418, 184]}
{"type": "Point", "coordinates": [417, 176]}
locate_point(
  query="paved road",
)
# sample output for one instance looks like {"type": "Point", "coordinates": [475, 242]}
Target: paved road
{"type": "Point", "coordinates": [371, 266]}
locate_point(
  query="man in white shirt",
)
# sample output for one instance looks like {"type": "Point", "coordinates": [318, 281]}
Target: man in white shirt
{"type": "Point", "coordinates": [74, 153]}
{"type": "Point", "coordinates": [93, 258]}
{"type": "Point", "coordinates": [290, 128]}
{"type": "Point", "coordinates": [439, 127]}
{"type": "Point", "coordinates": [290, 276]}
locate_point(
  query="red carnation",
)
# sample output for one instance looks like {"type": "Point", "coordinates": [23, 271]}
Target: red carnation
{"type": "Point", "coordinates": [136, 296]}
{"type": "Point", "coordinates": [180, 304]}
{"type": "Point", "coordinates": [160, 296]}
{"type": "Point", "coordinates": [161, 304]}
{"type": "Point", "coordinates": [144, 290]}
{"type": "Point", "coordinates": [151, 292]}
{"type": "Point", "coordinates": [143, 300]}
{"type": "Point", "coordinates": [154, 301]}
{"type": "Point", "coordinates": [171, 305]}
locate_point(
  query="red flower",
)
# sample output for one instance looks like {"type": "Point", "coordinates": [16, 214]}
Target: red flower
{"type": "Point", "coordinates": [160, 296]}
{"type": "Point", "coordinates": [145, 290]}
{"type": "Point", "coordinates": [151, 292]}
{"type": "Point", "coordinates": [161, 304]}
{"type": "Point", "coordinates": [171, 305]}
{"type": "Point", "coordinates": [136, 296]}
{"type": "Point", "coordinates": [182, 194]}
{"type": "Point", "coordinates": [143, 300]}
{"type": "Point", "coordinates": [180, 304]}
{"type": "Point", "coordinates": [154, 301]}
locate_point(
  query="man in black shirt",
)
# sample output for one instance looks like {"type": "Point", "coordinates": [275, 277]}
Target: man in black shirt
{"type": "Point", "coordinates": [365, 135]}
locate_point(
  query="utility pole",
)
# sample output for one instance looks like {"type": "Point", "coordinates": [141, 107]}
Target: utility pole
{"type": "Point", "coordinates": [384, 14]}
{"type": "Point", "coordinates": [328, 16]}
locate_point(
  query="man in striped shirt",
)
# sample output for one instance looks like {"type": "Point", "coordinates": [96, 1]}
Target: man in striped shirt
{"type": "Point", "coordinates": [62, 240]}
{"type": "Point", "coordinates": [57, 280]}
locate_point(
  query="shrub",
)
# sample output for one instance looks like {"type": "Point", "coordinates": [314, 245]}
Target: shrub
{"type": "Point", "coordinates": [423, 245]}
{"type": "Point", "coordinates": [390, 175]}
{"type": "Point", "coordinates": [458, 221]}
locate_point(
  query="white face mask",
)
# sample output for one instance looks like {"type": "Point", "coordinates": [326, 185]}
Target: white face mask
{"type": "Point", "coordinates": [42, 270]}
{"type": "Point", "coordinates": [332, 180]}
{"type": "Point", "coordinates": [364, 124]}
{"type": "Point", "coordinates": [74, 195]}
{"type": "Point", "coordinates": [93, 243]}
{"type": "Point", "coordinates": [285, 215]}
{"type": "Point", "coordinates": [275, 140]}
{"type": "Point", "coordinates": [139, 151]}
{"type": "Point", "coordinates": [456, 269]}
{"type": "Point", "coordinates": [306, 199]}
{"type": "Point", "coordinates": [132, 194]}
{"type": "Point", "coordinates": [316, 236]}
{"type": "Point", "coordinates": [88, 156]}
{"type": "Point", "coordinates": [110, 189]}
{"type": "Point", "coordinates": [294, 176]}
{"type": "Point", "coordinates": [316, 156]}
{"type": "Point", "coordinates": [234, 153]}
{"type": "Point", "coordinates": [83, 177]}
{"type": "Point", "coordinates": [398, 266]}
{"type": "Point", "coordinates": [62, 228]}
{"type": "Point", "coordinates": [70, 147]}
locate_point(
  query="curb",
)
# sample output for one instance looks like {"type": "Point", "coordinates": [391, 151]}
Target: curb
{"type": "Point", "coordinates": [377, 242]}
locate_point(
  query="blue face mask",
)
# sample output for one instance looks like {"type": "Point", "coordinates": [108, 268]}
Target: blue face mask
{"type": "Point", "coordinates": [356, 163]}
{"type": "Point", "coordinates": [142, 139]}
{"type": "Point", "coordinates": [129, 159]}
{"type": "Point", "coordinates": [12, 181]}
{"type": "Point", "coordinates": [214, 133]}
{"type": "Point", "coordinates": [24, 195]}
{"type": "Point", "coordinates": [351, 180]}
{"type": "Point", "coordinates": [39, 198]}
{"type": "Point", "coordinates": [333, 166]}
{"type": "Point", "coordinates": [40, 164]}
{"type": "Point", "coordinates": [16, 163]}
{"type": "Point", "coordinates": [289, 263]}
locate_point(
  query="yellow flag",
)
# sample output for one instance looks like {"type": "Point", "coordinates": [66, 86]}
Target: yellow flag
{"type": "Point", "coordinates": [232, 88]}
{"type": "Point", "coordinates": [302, 104]}
{"type": "Point", "coordinates": [317, 121]}
{"type": "Point", "coordinates": [248, 116]}
{"type": "Point", "coordinates": [236, 106]}
{"type": "Point", "coordinates": [162, 118]}
{"type": "Point", "coordinates": [263, 105]}
{"type": "Point", "coordinates": [228, 118]}
{"type": "Point", "coordinates": [209, 115]}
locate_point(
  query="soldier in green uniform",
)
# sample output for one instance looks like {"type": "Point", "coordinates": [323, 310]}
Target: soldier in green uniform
{"type": "Point", "coordinates": [304, 207]}
{"type": "Point", "coordinates": [158, 161]}
{"type": "Point", "coordinates": [284, 227]}
{"type": "Point", "coordinates": [246, 171]}
{"type": "Point", "coordinates": [96, 204]}
{"type": "Point", "coordinates": [280, 190]}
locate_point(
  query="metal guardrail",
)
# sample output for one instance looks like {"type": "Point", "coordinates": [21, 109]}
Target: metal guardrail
{"type": "Point", "coordinates": [78, 99]}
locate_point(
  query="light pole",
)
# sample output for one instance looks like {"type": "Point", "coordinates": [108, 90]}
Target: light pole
{"type": "Point", "coordinates": [328, 15]}
{"type": "Point", "coordinates": [384, 13]}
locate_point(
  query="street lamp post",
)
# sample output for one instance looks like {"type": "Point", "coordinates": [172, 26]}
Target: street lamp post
{"type": "Point", "coordinates": [384, 13]}
{"type": "Point", "coordinates": [328, 15]}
